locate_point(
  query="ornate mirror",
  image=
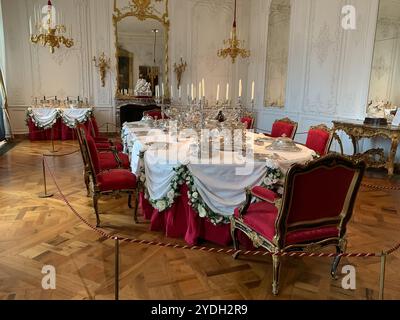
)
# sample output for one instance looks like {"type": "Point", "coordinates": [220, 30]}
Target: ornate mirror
{"type": "Point", "coordinates": [277, 53]}
{"type": "Point", "coordinates": [384, 93]}
{"type": "Point", "coordinates": [141, 33]}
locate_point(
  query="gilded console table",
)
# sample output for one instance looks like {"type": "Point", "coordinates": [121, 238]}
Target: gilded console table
{"type": "Point", "coordinates": [374, 158]}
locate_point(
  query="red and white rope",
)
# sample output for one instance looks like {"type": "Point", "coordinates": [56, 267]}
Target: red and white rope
{"type": "Point", "coordinates": [211, 249]}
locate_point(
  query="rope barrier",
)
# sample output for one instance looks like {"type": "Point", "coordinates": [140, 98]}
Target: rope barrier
{"type": "Point", "coordinates": [376, 187]}
{"type": "Point", "coordinates": [211, 249]}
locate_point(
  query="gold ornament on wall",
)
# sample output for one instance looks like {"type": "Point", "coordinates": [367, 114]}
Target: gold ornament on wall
{"type": "Point", "coordinates": [179, 69]}
{"type": "Point", "coordinates": [103, 64]}
{"type": "Point", "coordinates": [233, 45]}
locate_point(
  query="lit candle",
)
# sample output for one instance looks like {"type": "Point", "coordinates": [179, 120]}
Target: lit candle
{"type": "Point", "coordinates": [30, 26]}
{"type": "Point", "coordinates": [35, 16]}
{"type": "Point", "coordinates": [227, 92]}
{"type": "Point", "coordinates": [252, 90]}
{"type": "Point", "coordinates": [240, 88]}
{"type": "Point", "coordinates": [218, 92]}
{"type": "Point", "coordinates": [192, 91]}
{"type": "Point", "coordinates": [157, 91]}
{"type": "Point", "coordinates": [162, 89]}
{"type": "Point", "coordinates": [204, 87]}
{"type": "Point", "coordinates": [199, 90]}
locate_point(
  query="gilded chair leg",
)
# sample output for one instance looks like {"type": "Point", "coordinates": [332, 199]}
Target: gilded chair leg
{"type": "Point", "coordinates": [87, 183]}
{"type": "Point", "coordinates": [340, 248]}
{"type": "Point", "coordinates": [130, 201]}
{"type": "Point", "coordinates": [336, 262]}
{"type": "Point", "coordinates": [276, 265]}
{"type": "Point", "coordinates": [135, 218]}
{"type": "Point", "coordinates": [234, 239]}
{"type": "Point", "coordinates": [96, 208]}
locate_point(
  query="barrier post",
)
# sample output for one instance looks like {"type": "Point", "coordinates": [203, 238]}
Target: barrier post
{"type": "Point", "coordinates": [45, 194]}
{"type": "Point", "coordinates": [382, 276]}
{"type": "Point", "coordinates": [116, 268]}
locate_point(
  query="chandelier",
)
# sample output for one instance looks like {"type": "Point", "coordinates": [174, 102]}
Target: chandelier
{"type": "Point", "coordinates": [234, 46]}
{"type": "Point", "coordinates": [50, 34]}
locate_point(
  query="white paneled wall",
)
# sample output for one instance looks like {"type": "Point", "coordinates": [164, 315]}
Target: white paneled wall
{"type": "Point", "coordinates": [328, 72]}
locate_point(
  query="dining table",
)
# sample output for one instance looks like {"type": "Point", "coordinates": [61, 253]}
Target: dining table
{"type": "Point", "coordinates": [191, 190]}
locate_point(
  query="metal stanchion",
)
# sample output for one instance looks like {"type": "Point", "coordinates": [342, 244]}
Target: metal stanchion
{"type": "Point", "coordinates": [116, 269]}
{"type": "Point", "coordinates": [53, 150]}
{"type": "Point", "coordinates": [45, 194]}
{"type": "Point", "coordinates": [382, 276]}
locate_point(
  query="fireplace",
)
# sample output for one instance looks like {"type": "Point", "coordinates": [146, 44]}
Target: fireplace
{"type": "Point", "coordinates": [130, 111]}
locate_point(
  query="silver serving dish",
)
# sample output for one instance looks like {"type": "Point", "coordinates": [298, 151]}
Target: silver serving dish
{"type": "Point", "coordinates": [283, 144]}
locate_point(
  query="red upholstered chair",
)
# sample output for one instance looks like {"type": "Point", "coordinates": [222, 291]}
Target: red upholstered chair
{"type": "Point", "coordinates": [316, 206]}
{"type": "Point", "coordinates": [319, 139]}
{"type": "Point", "coordinates": [108, 182]}
{"type": "Point", "coordinates": [155, 114]}
{"type": "Point", "coordinates": [284, 128]}
{"type": "Point", "coordinates": [107, 160]}
{"type": "Point", "coordinates": [249, 121]}
{"type": "Point", "coordinates": [102, 142]}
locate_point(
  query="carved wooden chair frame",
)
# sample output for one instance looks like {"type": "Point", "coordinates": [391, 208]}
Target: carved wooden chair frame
{"type": "Point", "coordinates": [278, 243]}
{"type": "Point", "coordinates": [289, 121]}
{"type": "Point", "coordinates": [95, 191]}
{"type": "Point", "coordinates": [324, 127]}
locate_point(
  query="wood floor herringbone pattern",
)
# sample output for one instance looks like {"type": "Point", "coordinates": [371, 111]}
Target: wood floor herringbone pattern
{"type": "Point", "coordinates": [35, 232]}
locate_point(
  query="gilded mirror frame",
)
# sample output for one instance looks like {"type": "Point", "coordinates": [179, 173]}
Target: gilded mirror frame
{"type": "Point", "coordinates": [143, 10]}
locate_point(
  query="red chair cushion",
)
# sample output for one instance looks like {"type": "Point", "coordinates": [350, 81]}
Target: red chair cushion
{"type": "Point", "coordinates": [107, 161]}
{"type": "Point", "coordinates": [95, 127]}
{"type": "Point", "coordinates": [93, 154]}
{"type": "Point", "coordinates": [248, 121]}
{"type": "Point", "coordinates": [317, 140]}
{"type": "Point", "coordinates": [117, 179]}
{"type": "Point", "coordinates": [264, 194]}
{"type": "Point", "coordinates": [313, 198]}
{"type": "Point", "coordinates": [118, 146]}
{"type": "Point", "coordinates": [261, 218]}
{"type": "Point", "coordinates": [279, 129]}
{"type": "Point", "coordinates": [155, 114]}
{"type": "Point", "coordinates": [103, 145]}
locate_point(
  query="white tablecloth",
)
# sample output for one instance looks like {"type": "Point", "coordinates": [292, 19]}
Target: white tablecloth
{"type": "Point", "coordinates": [45, 118]}
{"type": "Point", "coordinates": [219, 184]}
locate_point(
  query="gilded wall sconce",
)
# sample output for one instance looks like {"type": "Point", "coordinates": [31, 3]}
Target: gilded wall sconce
{"type": "Point", "coordinates": [179, 70]}
{"type": "Point", "coordinates": [103, 64]}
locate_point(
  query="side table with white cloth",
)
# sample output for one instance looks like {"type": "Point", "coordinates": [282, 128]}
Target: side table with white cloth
{"type": "Point", "coordinates": [194, 198]}
{"type": "Point", "coordinates": [55, 123]}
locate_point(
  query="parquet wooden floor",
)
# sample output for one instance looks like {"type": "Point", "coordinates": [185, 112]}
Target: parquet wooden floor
{"type": "Point", "coordinates": [35, 232]}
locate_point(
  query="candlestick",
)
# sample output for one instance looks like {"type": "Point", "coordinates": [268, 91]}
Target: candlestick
{"type": "Point", "coordinates": [240, 88]}
{"type": "Point", "coordinates": [172, 92]}
{"type": "Point", "coordinates": [227, 92]}
{"type": "Point", "coordinates": [30, 26]}
{"type": "Point", "coordinates": [218, 92]}
{"type": "Point", "coordinates": [162, 90]}
{"type": "Point", "coordinates": [252, 90]}
{"type": "Point", "coordinates": [200, 90]}
{"type": "Point", "coordinates": [204, 87]}
{"type": "Point", "coordinates": [192, 91]}
{"type": "Point", "coordinates": [180, 92]}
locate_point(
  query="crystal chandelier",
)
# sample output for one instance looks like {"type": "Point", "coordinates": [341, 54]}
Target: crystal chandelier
{"type": "Point", "coordinates": [50, 34]}
{"type": "Point", "coordinates": [234, 46]}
